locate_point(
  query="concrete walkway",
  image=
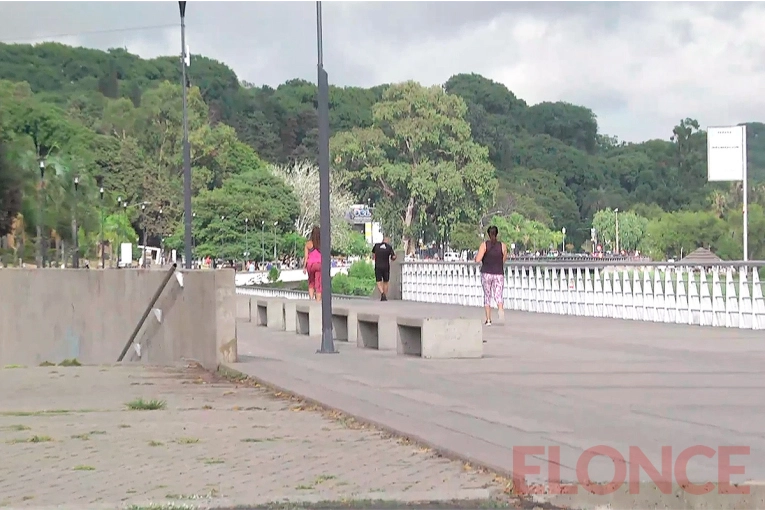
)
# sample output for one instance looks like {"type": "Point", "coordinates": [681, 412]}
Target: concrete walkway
{"type": "Point", "coordinates": [545, 380]}
{"type": "Point", "coordinates": [68, 441]}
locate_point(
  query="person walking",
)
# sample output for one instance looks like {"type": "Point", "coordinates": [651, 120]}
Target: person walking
{"type": "Point", "coordinates": [492, 255]}
{"type": "Point", "coordinates": [383, 254]}
{"type": "Point", "coordinates": [312, 261]}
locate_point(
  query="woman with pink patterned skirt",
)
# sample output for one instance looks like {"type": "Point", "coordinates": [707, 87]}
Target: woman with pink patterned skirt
{"type": "Point", "coordinates": [492, 255]}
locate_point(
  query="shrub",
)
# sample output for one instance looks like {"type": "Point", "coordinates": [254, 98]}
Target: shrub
{"type": "Point", "coordinates": [273, 274]}
{"type": "Point", "coordinates": [362, 270]}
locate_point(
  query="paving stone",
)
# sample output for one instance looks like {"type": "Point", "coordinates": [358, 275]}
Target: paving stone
{"type": "Point", "coordinates": [215, 443]}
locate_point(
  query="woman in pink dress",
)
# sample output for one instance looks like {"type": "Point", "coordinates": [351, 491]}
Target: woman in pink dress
{"type": "Point", "coordinates": [312, 257]}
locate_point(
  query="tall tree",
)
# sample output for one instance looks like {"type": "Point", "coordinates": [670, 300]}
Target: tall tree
{"type": "Point", "coordinates": [419, 159]}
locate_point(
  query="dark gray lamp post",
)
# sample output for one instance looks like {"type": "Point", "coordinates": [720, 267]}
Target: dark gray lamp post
{"type": "Point", "coordinates": [186, 147]}
{"type": "Point", "coordinates": [327, 342]}
{"type": "Point", "coordinates": [103, 251]}
{"type": "Point", "coordinates": [75, 236]}
{"type": "Point", "coordinates": [143, 228]}
{"type": "Point", "coordinates": [246, 239]}
{"type": "Point", "coordinates": [40, 198]}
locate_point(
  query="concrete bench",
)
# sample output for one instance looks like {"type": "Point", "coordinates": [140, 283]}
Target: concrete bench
{"type": "Point", "coordinates": [308, 318]}
{"type": "Point", "coordinates": [439, 338]}
{"type": "Point", "coordinates": [376, 331]}
{"type": "Point", "coordinates": [270, 313]}
{"type": "Point", "coordinates": [344, 324]}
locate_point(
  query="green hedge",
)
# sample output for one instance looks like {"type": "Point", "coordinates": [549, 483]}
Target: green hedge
{"type": "Point", "coordinates": [360, 281]}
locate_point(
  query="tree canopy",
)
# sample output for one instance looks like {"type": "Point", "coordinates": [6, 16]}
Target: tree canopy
{"type": "Point", "coordinates": [435, 162]}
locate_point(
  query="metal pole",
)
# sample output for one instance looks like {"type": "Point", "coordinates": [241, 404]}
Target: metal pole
{"type": "Point", "coordinates": [262, 242]}
{"type": "Point", "coordinates": [327, 342]}
{"type": "Point", "coordinates": [186, 147]}
{"type": "Point", "coordinates": [746, 198]}
{"type": "Point", "coordinates": [75, 230]}
{"type": "Point", "coordinates": [103, 252]}
{"type": "Point", "coordinates": [40, 243]}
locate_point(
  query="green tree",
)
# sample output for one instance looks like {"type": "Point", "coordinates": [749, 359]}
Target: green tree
{"type": "Point", "coordinates": [631, 229]}
{"type": "Point", "coordinates": [419, 158]}
{"type": "Point", "coordinates": [465, 236]}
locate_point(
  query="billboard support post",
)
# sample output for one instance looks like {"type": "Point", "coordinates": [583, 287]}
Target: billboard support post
{"type": "Point", "coordinates": [727, 161]}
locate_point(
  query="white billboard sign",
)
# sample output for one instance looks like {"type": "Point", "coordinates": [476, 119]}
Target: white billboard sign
{"type": "Point", "coordinates": [126, 255]}
{"type": "Point", "coordinates": [726, 153]}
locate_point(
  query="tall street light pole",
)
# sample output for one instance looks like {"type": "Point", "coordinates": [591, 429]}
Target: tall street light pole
{"type": "Point", "coordinates": [75, 230]}
{"type": "Point", "coordinates": [246, 239]}
{"type": "Point", "coordinates": [103, 251]}
{"type": "Point", "coordinates": [262, 242]}
{"type": "Point", "coordinates": [143, 228]}
{"type": "Point", "coordinates": [327, 342]}
{"type": "Point", "coordinates": [186, 148]}
{"type": "Point", "coordinates": [40, 195]}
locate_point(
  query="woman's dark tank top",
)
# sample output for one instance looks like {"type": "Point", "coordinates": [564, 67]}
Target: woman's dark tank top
{"type": "Point", "coordinates": [492, 262]}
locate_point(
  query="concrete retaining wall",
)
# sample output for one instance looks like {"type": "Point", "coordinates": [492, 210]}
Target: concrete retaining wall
{"type": "Point", "coordinates": [51, 315]}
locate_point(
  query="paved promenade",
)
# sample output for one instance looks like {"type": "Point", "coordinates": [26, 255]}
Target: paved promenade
{"type": "Point", "coordinates": [67, 440]}
{"type": "Point", "coordinates": [545, 380]}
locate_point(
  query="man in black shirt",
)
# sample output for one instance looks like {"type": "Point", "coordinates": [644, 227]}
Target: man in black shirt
{"type": "Point", "coordinates": [383, 253]}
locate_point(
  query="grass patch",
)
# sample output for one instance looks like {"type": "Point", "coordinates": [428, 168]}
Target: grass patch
{"type": "Point", "coordinates": [97, 432]}
{"type": "Point", "coordinates": [84, 468]}
{"type": "Point", "coordinates": [17, 428]}
{"type": "Point", "coordinates": [33, 439]}
{"type": "Point", "coordinates": [70, 363]}
{"type": "Point", "coordinates": [123, 426]}
{"type": "Point", "coordinates": [14, 366]}
{"type": "Point", "coordinates": [259, 440]}
{"type": "Point", "coordinates": [155, 443]}
{"type": "Point", "coordinates": [84, 437]}
{"type": "Point", "coordinates": [187, 440]}
{"type": "Point", "coordinates": [140, 404]}
{"type": "Point", "coordinates": [47, 364]}
{"type": "Point", "coordinates": [213, 461]}
{"type": "Point", "coordinates": [166, 506]}
{"type": "Point", "coordinates": [52, 412]}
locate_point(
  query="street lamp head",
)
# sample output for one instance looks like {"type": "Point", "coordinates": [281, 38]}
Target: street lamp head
{"type": "Point", "coordinates": [76, 181]}
{"type": "Point", "coordinates": [616, 210]}
{"type": "Point", "coordinates": [143, 207]}
{"type": "Point", "coordinates": [247, 220]}
{"type": "Point", "coordinates": [119, 200]}
{"type": "Point", "coordinates": [563, 230]}
{"type": "Point", "coordinates": [160, 210]}
{"type": "Point", "coordinates": [101, 191]}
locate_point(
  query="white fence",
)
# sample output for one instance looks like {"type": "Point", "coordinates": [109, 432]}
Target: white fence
{"type": "Point", "coordinates": [270, 292]}
{"type": "Point", "coordinates": [727, 295]}
{"type": "Point", "coordinates": [286, 275]}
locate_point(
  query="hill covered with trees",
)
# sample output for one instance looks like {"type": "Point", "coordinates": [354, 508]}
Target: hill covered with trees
{"type": "Point", "coordinates": [436, 162]}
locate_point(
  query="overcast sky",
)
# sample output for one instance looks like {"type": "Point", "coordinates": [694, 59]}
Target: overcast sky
{"type": "Point", "coordinates": [640, 67]}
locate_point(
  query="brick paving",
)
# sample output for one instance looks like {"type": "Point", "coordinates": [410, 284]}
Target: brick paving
{"type": "Point", "coordinates": [68, 438]}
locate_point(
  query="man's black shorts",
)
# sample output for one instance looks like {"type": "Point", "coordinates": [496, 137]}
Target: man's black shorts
{"type": "Point", "coordinates": [382, 274]}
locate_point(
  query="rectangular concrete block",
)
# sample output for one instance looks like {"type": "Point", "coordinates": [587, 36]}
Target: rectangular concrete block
{"type": "Point", "coordinates": [275, 314]}
{"type": "Point", "coordinates": [440, 338]}
{"type": "Point", "coordinates": [376, 331]}
{"type": "Point", "coordinates": [344, 324]}
{"type": "Point", "coordinates": [308, 318]}
{"type": "Point", "coordinates": [290, 316]}
{"type": "Point", "coordinates": [259, 312]}
{"type": "Point", "coordinates": [243, 308]}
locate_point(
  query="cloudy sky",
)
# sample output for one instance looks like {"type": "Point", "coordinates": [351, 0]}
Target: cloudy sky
{"type": "Point", "coordinates": [640, 67]}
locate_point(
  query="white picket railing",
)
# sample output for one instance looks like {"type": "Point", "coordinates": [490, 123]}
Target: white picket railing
{"type": "Point", "coordinates": [270, 292]}
{"type": "Point", "coordinates": [727, 295]}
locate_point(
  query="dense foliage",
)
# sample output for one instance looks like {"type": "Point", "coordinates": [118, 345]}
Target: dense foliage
{"type": "Point", "coordinates": [437, 163]}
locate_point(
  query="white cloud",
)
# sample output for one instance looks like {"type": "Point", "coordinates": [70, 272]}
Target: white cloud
{"type": "Point", "coordinates": [640, 67]}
